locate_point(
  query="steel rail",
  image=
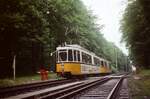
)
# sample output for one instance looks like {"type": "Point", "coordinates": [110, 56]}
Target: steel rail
{"type": "Point", "coordinates": [9, 91]}
{"type": "Point", "coordinates": [115, 90]}
{"type": "Point", "coordinates": [112, 94]}
{"type": "Point", "coordinates": [68, 92]}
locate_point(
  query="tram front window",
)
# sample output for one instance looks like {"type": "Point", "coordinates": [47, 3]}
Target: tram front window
{"type": "Point", "coordinates": [70, 58]}
{"type": "Point", "coordinates": [62, 56]}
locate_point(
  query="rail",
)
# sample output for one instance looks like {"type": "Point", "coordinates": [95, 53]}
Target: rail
{"type": "Point", "coordinates": [71, 91]}
{"type": "Point", "coordinates": [13, 90]}
{"type": "Point", "coordinates": [115, 90]}
{"type": "Point", "coordinates": [75, 88]}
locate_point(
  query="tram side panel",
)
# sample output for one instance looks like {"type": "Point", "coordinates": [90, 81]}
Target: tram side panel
{"type": "Point", "coordinates": [103, 69]}
{"type": "Point", "coordinates": [72, 68]}
{"type": "Point", "coordinates": [80, 69]}
{"type": "Point", "coordinates": [89, 69]}
{"type": "Point", "coordinates": [77, 69]}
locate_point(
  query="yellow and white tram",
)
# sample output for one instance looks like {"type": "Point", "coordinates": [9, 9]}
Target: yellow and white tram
{"type": "Point", "coordinates": [74, 60]}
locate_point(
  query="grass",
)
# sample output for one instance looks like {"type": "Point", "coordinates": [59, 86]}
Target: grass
{"type": "Point", "coordinates": [144, 73]}
{"type": "Point", "coordinates": [140, 88]}
{"type": "Point", "coordinates": [26, 79]}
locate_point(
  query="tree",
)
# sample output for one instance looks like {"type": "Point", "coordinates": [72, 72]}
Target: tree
{"type": "Point", "coordinates": [32, 29]}
{"type": "Point", "coordinates": [136, 31]}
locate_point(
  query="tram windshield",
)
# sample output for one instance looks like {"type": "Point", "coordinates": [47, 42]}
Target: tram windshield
{"type": "Point", "coordinates": [62, 55]}
{"type": "Point", "coordinates": [68, 55]}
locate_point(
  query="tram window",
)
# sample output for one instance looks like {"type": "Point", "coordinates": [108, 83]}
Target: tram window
{"type": "Point", "coordinates": [106, 64]}
{"type": "Point", "coordinates": [109, 65]}
{"type": "Point", "coordinates": [89, 60]}
{"type": "Point", "coordinates": [70, 57]}
{"type": "Point", "coordinates": [99, 62]}
{"type": "Point", "coordinates": [83, 57]}
{"type": "Point", "coordinates": [57, 56]}
{"type": "Point", "coordinates": [102, 63]}
{"type": "Point", "coordinates": [96, 61]}
{"type": "Point", "coordinates": [78, 54]}
{"type": "Point", "coordinates": [75, 55]}
{"type": "Point", "coordinates": [86, 58]}
{"type": "Point", "coordinates": [62, 56]}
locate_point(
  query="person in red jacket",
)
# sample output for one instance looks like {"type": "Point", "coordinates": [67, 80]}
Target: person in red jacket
{"type": "Point", "coordinates": [43, 73]}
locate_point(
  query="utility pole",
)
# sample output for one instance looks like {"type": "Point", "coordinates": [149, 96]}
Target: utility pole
{"type": "Point", "coordinates": [126, 64]}
{"type": "Point", "coordinates": [14, 67]}
{"type": "Point", "coordinates": [116, 59]}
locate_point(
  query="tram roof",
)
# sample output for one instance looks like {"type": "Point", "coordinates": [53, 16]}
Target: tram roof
{"type": "Point", "coordinates": [74, 46]}
{"type": "Point", "coordinates": [78, 47]}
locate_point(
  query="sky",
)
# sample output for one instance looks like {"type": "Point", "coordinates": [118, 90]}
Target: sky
{"type": "Point", "coordinates": [109, 14]}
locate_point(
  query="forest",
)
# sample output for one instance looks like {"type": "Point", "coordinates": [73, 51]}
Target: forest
{"type": "Point", "coordinates": [135, 26]}
{"type": "Point", "coordinates": [32, 29]}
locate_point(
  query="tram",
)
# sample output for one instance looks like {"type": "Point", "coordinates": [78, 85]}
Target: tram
{"type": "Point", "coordinates": [74, 60]}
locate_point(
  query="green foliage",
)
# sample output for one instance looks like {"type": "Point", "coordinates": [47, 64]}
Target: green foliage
{"type": "Point", "coordinates": [139, 88]}
{"type": "Point", "coordinates": [136, 31]}
{"type": "Point", "coordinates": [32, 29]}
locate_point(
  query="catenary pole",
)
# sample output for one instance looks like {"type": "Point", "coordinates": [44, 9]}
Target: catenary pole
{"type": "Point", "coordinates": [14, 67]}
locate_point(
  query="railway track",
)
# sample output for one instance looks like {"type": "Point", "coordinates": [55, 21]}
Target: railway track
{"type": "Point", "coordinates": [64, 91]}
{"type": "Point", "coordinates": [113, 89]}
{"type": "Point", "coordinates": [98, 88]}
{"type": "Point", "coordinates": [14, 90]}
